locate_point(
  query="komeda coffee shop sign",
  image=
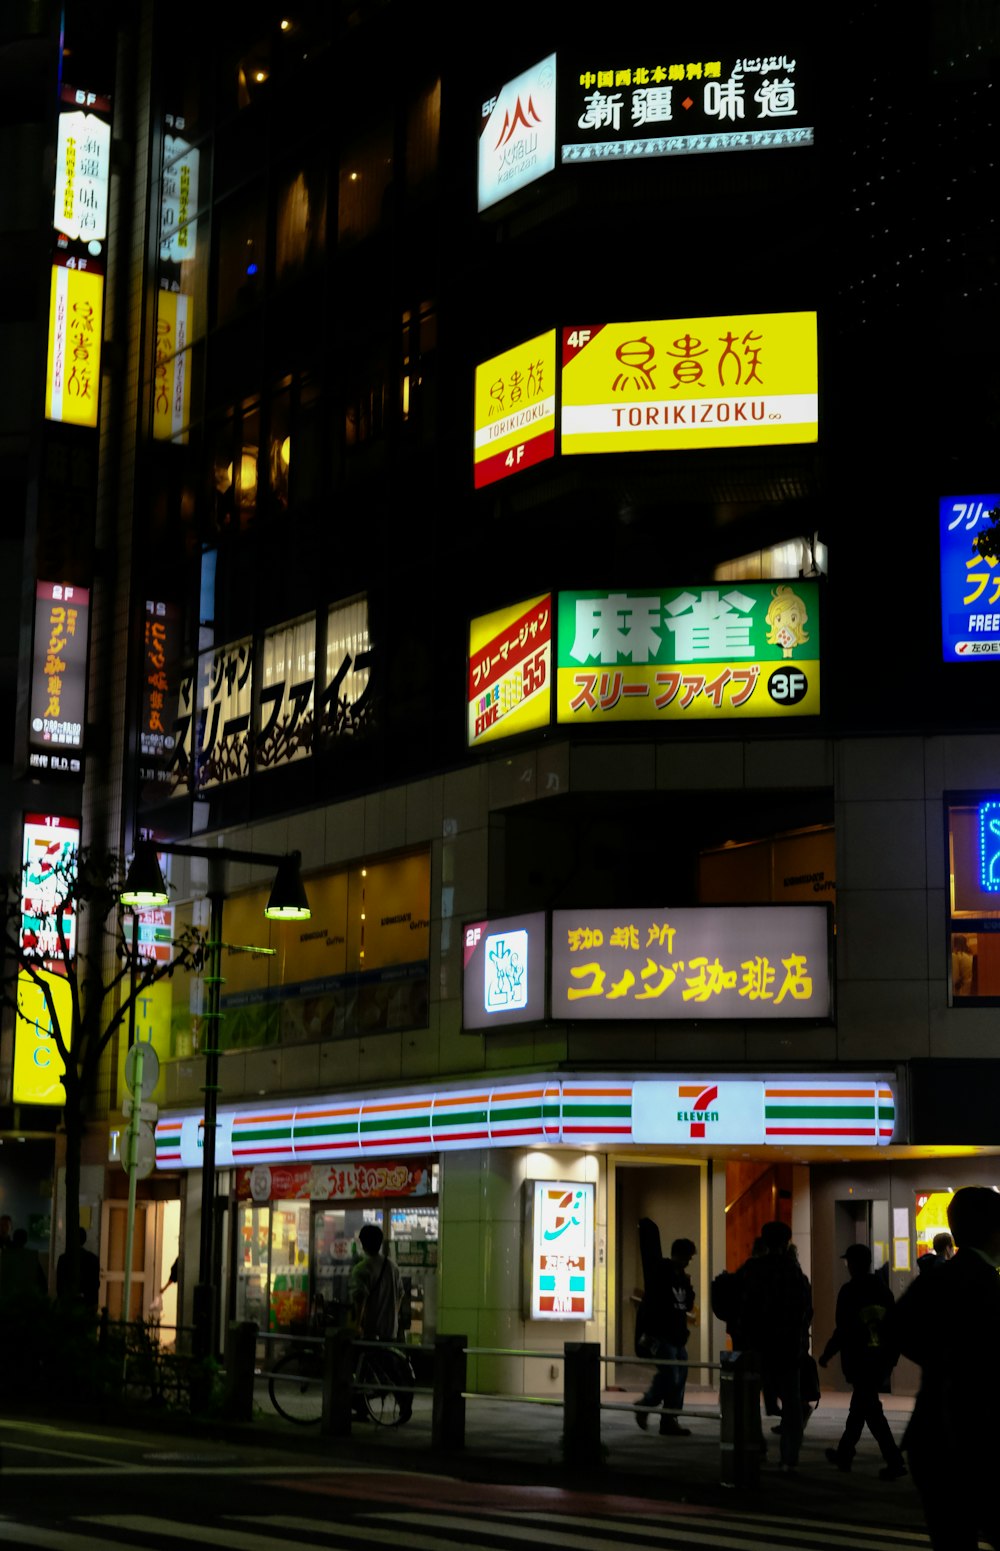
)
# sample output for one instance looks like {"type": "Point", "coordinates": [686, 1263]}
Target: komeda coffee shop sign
{"type": "Point", "coordinates": [710, 962]}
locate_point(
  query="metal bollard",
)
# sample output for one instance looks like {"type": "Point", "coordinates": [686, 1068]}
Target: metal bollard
{"type": "Point", "coordinates": [739, 1399]}
{"type": "Point", "coordinates": [338, 1378]}
{"type": "Point", "coordinates": [241, 1354]}
{"type": "Point", "coordinates": [448, 1413]}
{"type": "Point", "coordinates": [582, 1404]}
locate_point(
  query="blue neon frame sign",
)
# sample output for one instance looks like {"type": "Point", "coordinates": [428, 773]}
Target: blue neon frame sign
{"type": "Point", "coordinates": [989, 846]}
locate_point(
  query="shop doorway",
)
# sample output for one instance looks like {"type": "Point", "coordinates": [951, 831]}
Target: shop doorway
{"type": "Point", "coordinates": [670, 1194]}
{"type": "Point", "coordinates": [862, 1222]}
{"type": "Point", "coordinates": [114, 1232]}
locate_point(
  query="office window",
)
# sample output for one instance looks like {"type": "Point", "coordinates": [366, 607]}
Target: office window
{"type": "Point", "coordinates": [242, 245]}
{"type": "Point", "coordinates": [365, 182]}
{"type": "Point", "coordinates": [792, 558]}
{"type": "Point", "coordinates": [300, 232]}
{"type": "Point", "coordinates": [423, 124]}
{"type": "Point", "coordinates": [974, 899]}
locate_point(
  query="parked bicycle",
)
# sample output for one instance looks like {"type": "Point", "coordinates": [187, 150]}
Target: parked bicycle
{"type": "Point", "coordinates": [383, 1384]}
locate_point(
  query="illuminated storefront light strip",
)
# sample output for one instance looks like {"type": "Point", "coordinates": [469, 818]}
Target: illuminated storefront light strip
{"type": "Point", "coordinates": [548, 1111]}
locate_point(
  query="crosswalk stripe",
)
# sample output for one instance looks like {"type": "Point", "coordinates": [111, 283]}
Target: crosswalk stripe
{"type": "Point", "coordinates": [591, 1534]}
{"type": "Point", "coordinates": [422, 1531]}
{"type": "Point", "coordinates": [820, 1531]}
{"type": "Point", "coordinates": [687, 1531]}
{"type": "Point", "coordinates": [52, 1539]}
{"type": "Point", "coordinates": [201, 1534]}
{"type": "Point", "coordinates": [355, 1531]}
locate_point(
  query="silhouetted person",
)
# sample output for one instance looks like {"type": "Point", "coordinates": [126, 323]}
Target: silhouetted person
{"type": "Point", "coordinates": [949, 1323]}
{"type": "Point", "coordinates": [21, 1273]}
{"type": "Point", "coordinates": [668, 1303]}
{"type": "Point", "coordinates": [89, 1291]}
{"type": "Point", "coordinates": [773, 1321]}
{"type": "Point", "coordinates": [943, 1248]}
{"type": "Point", "coordinates": [863, 1337]}
{"type": "Point", "coordinates": [377, 1295]}
{"type": "Point", "coordinates": [6, 1230]}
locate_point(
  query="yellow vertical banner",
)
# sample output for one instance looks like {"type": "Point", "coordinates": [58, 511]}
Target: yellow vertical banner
{"type": "Point", "coordinates": [73, 376]}
{"type": "Point", "coordinates": [38, 1066]}
{"type": "Point", "coordinates": [172, 386]}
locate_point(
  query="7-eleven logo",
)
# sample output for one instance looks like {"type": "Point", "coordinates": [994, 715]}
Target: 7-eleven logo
{"type": "Point", "coordinates": [699, 1107]}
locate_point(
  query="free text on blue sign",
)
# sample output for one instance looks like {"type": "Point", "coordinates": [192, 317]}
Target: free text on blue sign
{"type": "Point", "coordinates": [970, 583]}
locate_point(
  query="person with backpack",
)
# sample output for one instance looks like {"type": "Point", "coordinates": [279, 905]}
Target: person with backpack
{"type": "Point", "coordinates": [863, 1337]}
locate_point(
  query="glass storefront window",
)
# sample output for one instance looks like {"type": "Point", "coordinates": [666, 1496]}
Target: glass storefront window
{"type": "Point", "coordinates": [335, 1251]}
{"type": "Point", "coordinates": [931, 1218]}
{"type": "Point", "coordinates": [289, 1303]}
{"type": "Point", "coordinates": [253, 1237]}
{"type": "Point", "coordinates": [362, 965]}
{"type": "Point", "coordinates": [413, 1233]}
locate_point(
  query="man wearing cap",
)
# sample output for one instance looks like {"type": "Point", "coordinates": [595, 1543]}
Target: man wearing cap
{"type": "Point", "coordinates": [863, 1337]}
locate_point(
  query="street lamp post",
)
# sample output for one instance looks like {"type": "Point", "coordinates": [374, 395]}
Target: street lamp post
{"type": "Point", "coordinates": [144, 887]}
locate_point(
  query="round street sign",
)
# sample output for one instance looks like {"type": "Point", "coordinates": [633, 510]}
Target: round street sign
{"type": "Point", "coordinates": [150, 1067]}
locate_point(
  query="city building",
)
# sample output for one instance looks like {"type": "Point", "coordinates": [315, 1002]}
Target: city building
{"type": "Point", "coordinates": [538, 484]}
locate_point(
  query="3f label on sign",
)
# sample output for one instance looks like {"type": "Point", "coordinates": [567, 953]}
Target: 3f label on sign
{"type": "Point", "coordinates": [787, 686]}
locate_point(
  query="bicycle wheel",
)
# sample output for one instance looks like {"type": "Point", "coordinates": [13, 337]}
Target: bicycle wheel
{"type": "Point", "coordinates": [295, 1385]}
{"type": "Point", "coordinates": [379, 1372]}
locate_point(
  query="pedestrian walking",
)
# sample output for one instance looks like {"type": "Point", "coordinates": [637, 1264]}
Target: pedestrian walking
{"type": "Point", "coordinates": [664, 1313]}
{"type": "Point", "coordinates": [949, 1323]}
{"type": "Point", "coordinates": [863, 1336]}
{"type": "Point", "coordinates": [773, 1318]}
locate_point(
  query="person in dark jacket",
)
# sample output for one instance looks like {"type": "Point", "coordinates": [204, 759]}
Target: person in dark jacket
{"type": "Point", "coordinates": [942, 1249]}
{"type": "Point", "coordinates": [863, 1337]}
{"type": "Point", "coordinates": [949, 1323]}
{"type": "Point", "coordinates": [668, 1303]}
{"type": "Point", "coordinates": [775, 1311]}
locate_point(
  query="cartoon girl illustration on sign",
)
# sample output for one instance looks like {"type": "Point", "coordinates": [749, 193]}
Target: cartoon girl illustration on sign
{"type": "Point", "coordinates": [786, 620]}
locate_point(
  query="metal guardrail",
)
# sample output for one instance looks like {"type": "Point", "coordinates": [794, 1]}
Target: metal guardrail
{"type": "Point", "coordinates": [738, 1414]}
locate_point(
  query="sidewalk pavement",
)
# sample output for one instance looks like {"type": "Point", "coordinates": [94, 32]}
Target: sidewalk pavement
{"type": "Point", "coordinates": [517, 1440]}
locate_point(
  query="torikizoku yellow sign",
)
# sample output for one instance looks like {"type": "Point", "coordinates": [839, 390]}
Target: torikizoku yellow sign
{"type": "Point", "coordinates": [738, 380]}
{"type": "Point", "coordinates": [515, 416]}
{"type": "Point", "coordinates": [74, 360]}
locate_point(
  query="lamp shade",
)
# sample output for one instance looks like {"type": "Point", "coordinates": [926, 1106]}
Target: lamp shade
{"type": "Point", "coordinates": [288, 900]}
{"type": "Point", "coordinates": [144, 887]}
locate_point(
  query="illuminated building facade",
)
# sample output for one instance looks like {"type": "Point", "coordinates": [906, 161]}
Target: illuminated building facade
{"type": "Point", "coordinates": [514, 484]}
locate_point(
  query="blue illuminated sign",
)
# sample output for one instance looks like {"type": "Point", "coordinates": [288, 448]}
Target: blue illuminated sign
{"type": "Point", "coordinates": [989, 847]}
{"type": "Point", "coordinates": [970, 585]}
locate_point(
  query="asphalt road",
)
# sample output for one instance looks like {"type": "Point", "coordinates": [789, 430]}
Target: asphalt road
{"type": "Point", "coordinates": [74, 1485]}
